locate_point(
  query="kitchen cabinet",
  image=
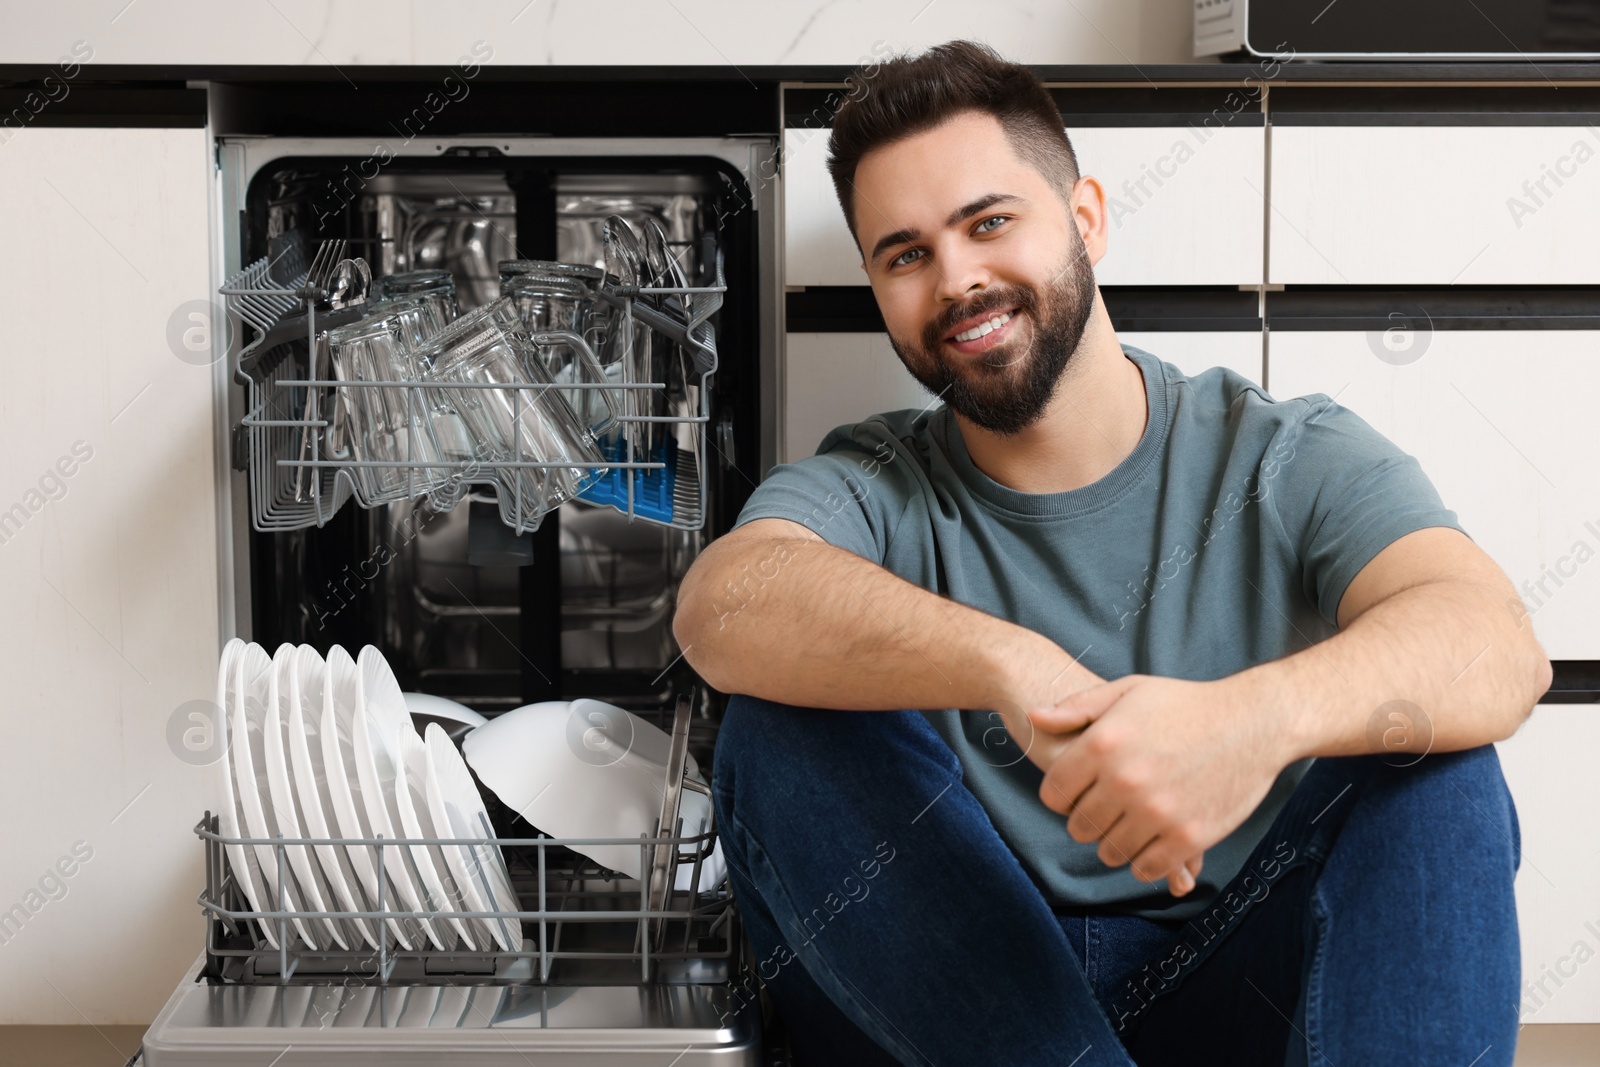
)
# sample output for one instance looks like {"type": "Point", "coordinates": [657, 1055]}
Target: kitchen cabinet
{"type": "Point", "coordinates": [1184, 206]}
{"type": "Point", "coordinates": [108, 565]}
{"type": "Point", "coordinates": [1502, 422]}
{"type": "Point", "coordinates": [1548, 767]}
{"type": "Point", "coordinates": [834, 378]}
{"type": "Point", "coordinates": [1434, 204]}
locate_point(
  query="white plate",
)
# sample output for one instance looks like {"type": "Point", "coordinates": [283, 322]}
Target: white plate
{"type": "Point", "coordinates": [380, 714]}
{"type": "Point", "coordinates": [307, 675]}
{"type": "Point", "coordinates": [254, 676]}
{"type": "Point", "coordinates": [458, 811]}
{"type": "Point", "coordinates": [241, 860]}
{"type": "Point", "coordinates": [285, 805]}
{"type": "Point", "coordinates": [304, 729]}
{"type": "Point", "coordinates": [341, 696]}
{"type": "Point", "coordinates": [442, 708]}
{"type": "Point", "coordinates": [588, 769]}
{"type": "Point", "coordinates": [411, 774]}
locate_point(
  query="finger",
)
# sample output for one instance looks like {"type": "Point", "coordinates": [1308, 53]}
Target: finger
{"type": "Point", "coordinates": [1180, 882]}
{"type": "Point", "coordinates": [1125, 841]}
{"type": "Point", "coordinates": [1092, 815]}
{"type": "Point", "coordinates": [1081, 708]}
{"type": "Point", "coordinates": [1069, 777]}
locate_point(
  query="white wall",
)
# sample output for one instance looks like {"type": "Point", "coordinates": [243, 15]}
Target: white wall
{"type": "Point", "coordinates": [110, 590]}
{"type": "Point", "coordinates": [684, 32]}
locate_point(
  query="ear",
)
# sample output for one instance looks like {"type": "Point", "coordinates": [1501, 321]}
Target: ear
{"type": "Point", "coordinates": [1083, 707]}
{"type": "Point", "coordinates": [1088, 210]}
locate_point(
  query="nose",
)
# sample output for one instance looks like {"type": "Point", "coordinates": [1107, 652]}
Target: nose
{"type": "Point", "coordinates": [963, 271]}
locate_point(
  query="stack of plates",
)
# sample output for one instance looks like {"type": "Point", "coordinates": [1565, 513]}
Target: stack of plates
{"type": "Point", "coordinates": [327, 749]}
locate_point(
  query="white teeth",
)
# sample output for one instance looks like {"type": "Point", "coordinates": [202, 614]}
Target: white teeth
{"type": "Point", "coordinates": [984, 327]}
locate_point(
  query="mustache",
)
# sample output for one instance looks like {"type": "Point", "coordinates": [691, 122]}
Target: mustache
{"type": "Point", "coordinates": [1020, 297]}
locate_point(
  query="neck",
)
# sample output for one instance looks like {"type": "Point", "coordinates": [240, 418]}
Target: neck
{"type": "Point", "coordinates": [1095, 419]}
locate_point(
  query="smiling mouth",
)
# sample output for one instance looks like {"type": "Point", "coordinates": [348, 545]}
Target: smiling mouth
{"type": "Point", "coordinates": [984, 328]}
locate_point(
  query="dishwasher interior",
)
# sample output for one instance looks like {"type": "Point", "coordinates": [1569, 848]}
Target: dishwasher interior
{"type": "Point", "coordinates": [612, 969]}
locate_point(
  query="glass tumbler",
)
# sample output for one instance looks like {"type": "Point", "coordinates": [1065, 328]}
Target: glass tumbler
{"type": "Point", "coordinates": [385, 424]}
{"type": "Point", "coordinates": [512, 411]}
{"type": "Point", "coordinates": [434, 288]}
{"type": "Point", "coordinates": [561, 309]}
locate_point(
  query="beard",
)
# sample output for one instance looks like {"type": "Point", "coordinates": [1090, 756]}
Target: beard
{"type": "Point", "coordinates": [1005, 390]}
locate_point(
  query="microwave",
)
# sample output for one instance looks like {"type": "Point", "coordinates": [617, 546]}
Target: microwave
{"type": "Point", "coordinates": [1517, 30]}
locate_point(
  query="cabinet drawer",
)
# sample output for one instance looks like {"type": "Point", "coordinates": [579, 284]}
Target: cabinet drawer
{"type": "Point", "coordinates": [1184, 206]}
{"type": "Point", "coordinates": [1435, 205]}
{"type": "Point", "coordinates": [834, 378]}
{"type": "Point", "coordinates": [1184, 202]}
{"type": "Point", "coordinates": [1501, 422]}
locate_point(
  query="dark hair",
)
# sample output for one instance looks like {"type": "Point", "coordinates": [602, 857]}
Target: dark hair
{"type": "Point", "coordinates": [907, 95]}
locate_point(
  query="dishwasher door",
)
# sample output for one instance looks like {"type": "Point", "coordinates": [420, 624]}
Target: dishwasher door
{"type": "Point", "coordinates": [355, 1025]}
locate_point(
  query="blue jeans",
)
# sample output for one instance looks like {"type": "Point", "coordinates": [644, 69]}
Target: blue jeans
{"type": "Point", "coordinates": [1373, 924]}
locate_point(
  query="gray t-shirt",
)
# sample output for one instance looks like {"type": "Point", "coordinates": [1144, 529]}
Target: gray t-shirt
{"type": "Point", "coordinates": [1225, 539]}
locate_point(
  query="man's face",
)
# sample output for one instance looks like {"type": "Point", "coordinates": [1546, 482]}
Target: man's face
{"type": "Point", "coordinates": [962, 238]}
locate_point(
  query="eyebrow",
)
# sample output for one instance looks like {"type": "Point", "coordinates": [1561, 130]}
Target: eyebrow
{"type": "Point", "coordinates": [966, 211]}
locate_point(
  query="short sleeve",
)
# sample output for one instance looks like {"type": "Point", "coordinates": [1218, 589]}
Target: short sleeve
{"type": "Point", "coordinates": [1343, 493]}
{"type": "Point", "coordinates": [851, 493]}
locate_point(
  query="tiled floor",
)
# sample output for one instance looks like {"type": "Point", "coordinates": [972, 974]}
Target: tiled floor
{"type": "Point", "coordinates": [110, 1046]}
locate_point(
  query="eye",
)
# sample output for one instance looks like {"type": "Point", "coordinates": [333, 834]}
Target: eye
{"type": "Point", "coordinates": [902, 261]}
{"type": "Point", "coordinates": [986, 227]}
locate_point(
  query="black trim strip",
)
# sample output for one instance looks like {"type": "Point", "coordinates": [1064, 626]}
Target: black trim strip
{"type": "Point", "coordinates": [1418, 105]}
{"type": "Point", "coordinates": [63, 103]}
{"type": "Point", "coordinates": [1503, 308]}
{"type": "Point", "coordinates": [1236, 69]}
{"type": "Point", "coordinates": [853, 309]}
{"type": "Point", "coordinates": [1577, 681]}
{"type": "Point", "coordinates": [1226, 105]}
{"type": "Point", "coordinates": [479, 106]}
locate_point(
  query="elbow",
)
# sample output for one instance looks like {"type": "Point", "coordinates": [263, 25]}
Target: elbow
{"type": "Point", "coordinates": [692, 630]}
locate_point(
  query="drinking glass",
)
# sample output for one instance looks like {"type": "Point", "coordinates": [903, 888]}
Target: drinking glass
{"type": "Point", "coordinates": [384, 424]}
{"type": "Point", "coordinates": [522, 418]}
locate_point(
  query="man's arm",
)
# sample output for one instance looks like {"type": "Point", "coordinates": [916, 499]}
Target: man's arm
{"type": "Point", "coordinates": [1430, 622]}
{"type": "Point", "coordinates": [1170, 767]}
{"type": "Point", "coordinates": [773, 611]}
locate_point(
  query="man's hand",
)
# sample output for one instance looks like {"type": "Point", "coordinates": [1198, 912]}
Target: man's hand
{"type": "Point", "coordinates": [1166, 769]}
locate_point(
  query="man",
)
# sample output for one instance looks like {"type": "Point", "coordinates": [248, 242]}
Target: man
{"type": "Point", "coordinates": [1087, 589]}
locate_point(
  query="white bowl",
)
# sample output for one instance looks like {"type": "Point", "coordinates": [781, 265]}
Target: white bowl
{"type": "Point", "coordinates": [588, 769]}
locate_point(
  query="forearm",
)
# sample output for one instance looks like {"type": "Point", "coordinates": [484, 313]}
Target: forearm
{"type": "Point", "coordinates": [802, 622]}
{"type": "Point", "coordinates": [1436, 667]}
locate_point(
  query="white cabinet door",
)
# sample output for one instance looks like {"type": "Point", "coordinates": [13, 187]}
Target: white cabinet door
{"type": "Point", "coordinates": [1549, 766]}
{"type": "Point", "coordinates": [834, 378]}
{"type": "Point", "coordinates": [1184, 203]}
{"type": "Point", "coordinates": [1503, 424]}
{"type": "Point", "coordinates": [1199, 351]}
{"type": "Point", "coordinates": [1435, 205]}
{"type": "Point", "coordinates": [1185, 207]}
{"type": "Point", "coordinates": [817, 246]}
{"type": "Point", "coordinates": [108, 567]}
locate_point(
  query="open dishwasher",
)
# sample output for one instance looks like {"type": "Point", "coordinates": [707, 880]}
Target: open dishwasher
{"type": "Point", "coordinates": [475, 593]}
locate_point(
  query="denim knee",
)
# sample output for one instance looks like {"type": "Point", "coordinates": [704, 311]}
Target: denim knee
{"type": "Point", "coordinates": [779, 756]}
{"type": "Point", "coordinates": [1464, 789]}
